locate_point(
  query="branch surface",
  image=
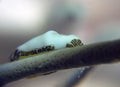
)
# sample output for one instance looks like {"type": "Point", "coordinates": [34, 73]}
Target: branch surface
{"type": "Point", "coordinates": [86, 55]}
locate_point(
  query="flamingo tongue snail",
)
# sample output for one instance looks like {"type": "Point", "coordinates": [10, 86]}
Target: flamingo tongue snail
{"type": "Point", "coordinates": [46, 42]}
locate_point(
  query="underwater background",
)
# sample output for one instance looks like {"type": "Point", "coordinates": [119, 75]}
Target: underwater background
{"type": "Point", "coordinates": [91, 20]}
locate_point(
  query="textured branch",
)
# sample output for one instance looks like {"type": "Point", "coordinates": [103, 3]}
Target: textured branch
{"type": "Point", "coordinates": [87, 55]}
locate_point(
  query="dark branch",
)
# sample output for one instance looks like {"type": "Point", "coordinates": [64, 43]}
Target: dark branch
{"type": "Point", "coordinates": [87, 55]}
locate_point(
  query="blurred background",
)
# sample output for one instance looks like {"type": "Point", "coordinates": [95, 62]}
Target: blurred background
{"type": "Point", "coordinates": [91, 20]}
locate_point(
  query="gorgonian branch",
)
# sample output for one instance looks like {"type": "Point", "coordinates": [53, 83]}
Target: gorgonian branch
{"type": "Point", "coordinates": [86, 55]}
{"type": "Point", "coordinates": [78, 75]}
